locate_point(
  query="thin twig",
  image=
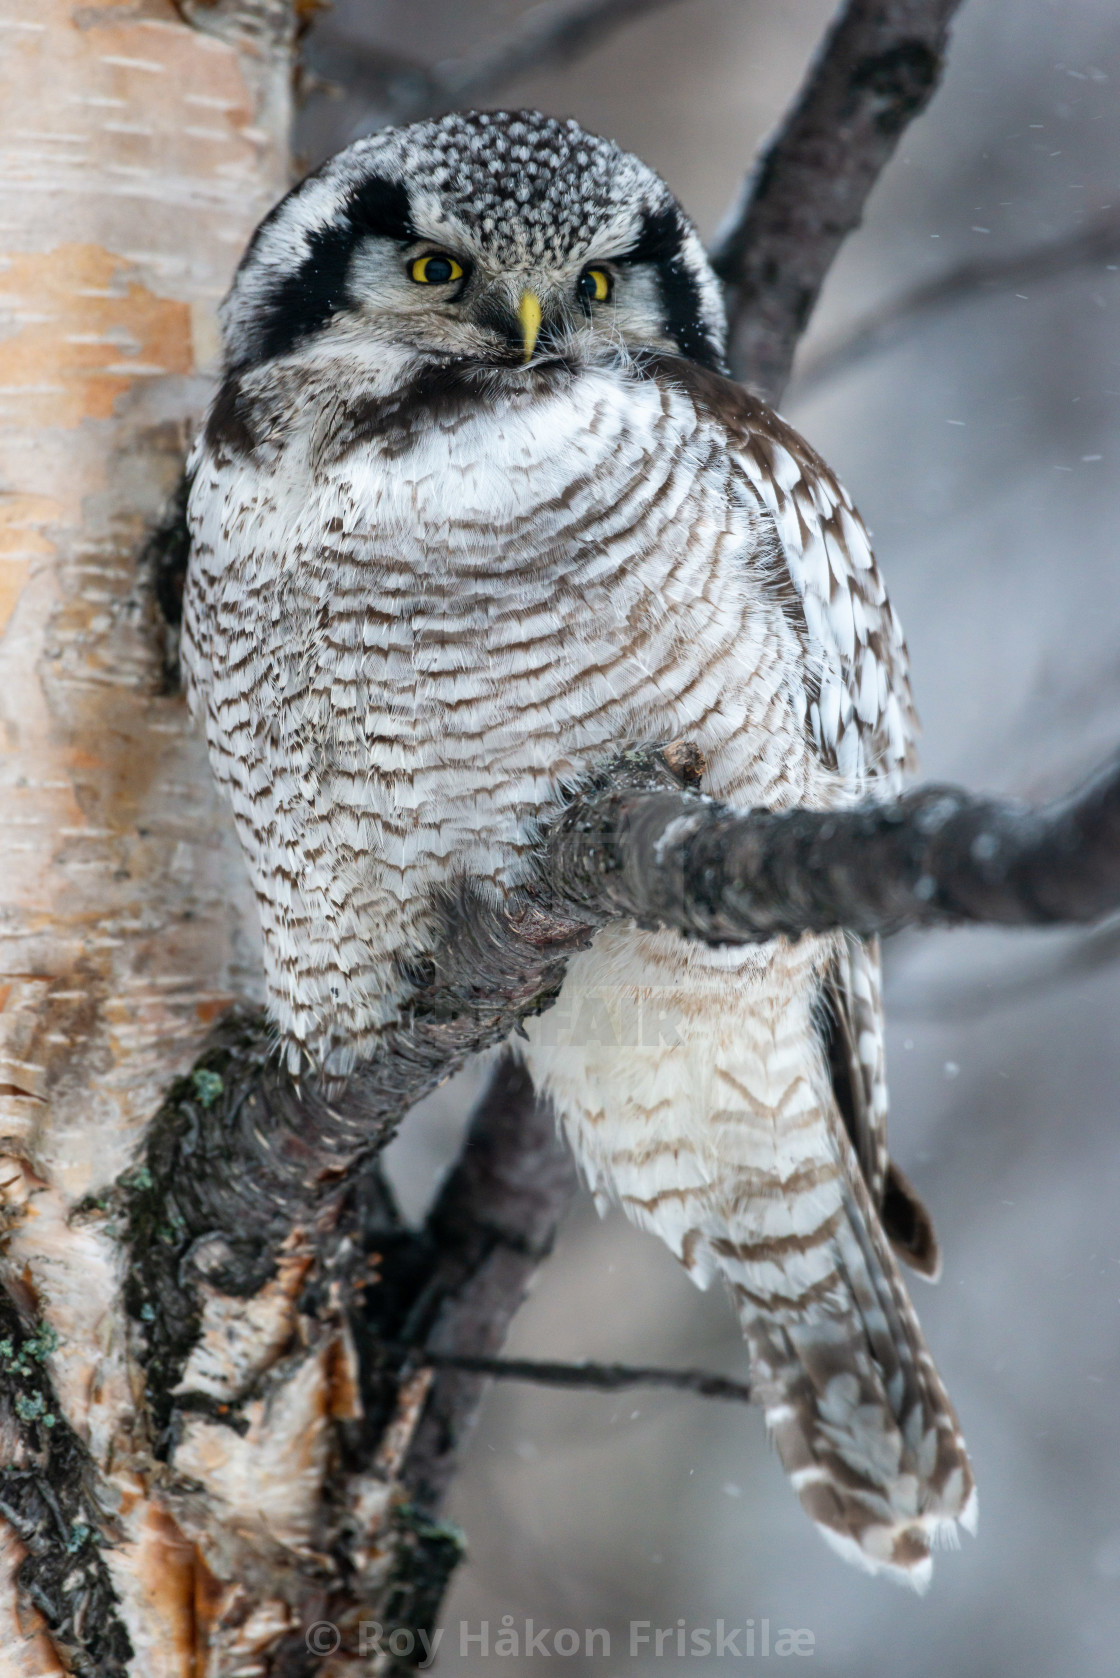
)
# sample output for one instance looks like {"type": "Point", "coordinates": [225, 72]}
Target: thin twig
{"type": "Point", "coordinates": [545, 37]}
{"type": "Point", "coordinates": [492, 1223]}
{"type": "Point", "coordinates": [876, 72]}
{"type": "Point", "coordinates": [974, 279]}
{"type": "Point", "coordinates": [601, 1377]}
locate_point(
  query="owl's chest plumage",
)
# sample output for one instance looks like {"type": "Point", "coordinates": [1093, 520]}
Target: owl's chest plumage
{"type": "Point", "coordinates": [415, 633]}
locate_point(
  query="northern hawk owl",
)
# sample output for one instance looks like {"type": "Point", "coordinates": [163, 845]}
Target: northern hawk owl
{"type": "Point", "coordinates": [476, 505]}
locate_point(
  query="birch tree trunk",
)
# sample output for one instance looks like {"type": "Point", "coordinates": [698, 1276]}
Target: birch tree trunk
{"type": "Point", "coordinates": [138, 151]}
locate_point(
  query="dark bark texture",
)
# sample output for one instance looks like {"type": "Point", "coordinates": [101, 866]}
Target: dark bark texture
{"type": "Point", "coordinates": [47, 1499]}
{"type": "Point", "coordinates": [938, 857]}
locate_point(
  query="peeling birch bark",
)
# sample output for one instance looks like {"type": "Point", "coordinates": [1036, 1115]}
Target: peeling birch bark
{"type": "Point", "coordinates": [136, 155]}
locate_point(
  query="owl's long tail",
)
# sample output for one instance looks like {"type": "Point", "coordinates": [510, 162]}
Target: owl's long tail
{"type": "Point", "coordinates": [862, 1422]}
{"type": "Point", "coordinates": [732, 1148]}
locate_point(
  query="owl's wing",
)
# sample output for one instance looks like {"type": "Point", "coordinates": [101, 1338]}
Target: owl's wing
{"type": "Point", "coordinates": [853, 1033]}
{"type": "Point", "coordinates": [860, 717]}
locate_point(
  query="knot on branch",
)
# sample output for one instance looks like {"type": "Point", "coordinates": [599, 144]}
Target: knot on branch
{"type": "Point", "coordinates": [271, 25]}
{"type": "Point", "coordinates": [900, 83]}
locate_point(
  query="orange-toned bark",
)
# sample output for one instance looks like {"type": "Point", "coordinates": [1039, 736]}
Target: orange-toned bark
{"type": "Point", "coordinates": [136, 154]}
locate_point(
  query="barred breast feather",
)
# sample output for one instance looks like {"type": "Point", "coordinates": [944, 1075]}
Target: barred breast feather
{"type": "Point", "coordinates": [413, 615]}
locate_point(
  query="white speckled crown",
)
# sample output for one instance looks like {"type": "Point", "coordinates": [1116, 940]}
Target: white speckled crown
{"type": "Point", "coordinates": [531, 187]}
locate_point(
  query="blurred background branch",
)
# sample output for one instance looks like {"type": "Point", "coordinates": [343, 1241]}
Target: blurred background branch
{"type": "Point", "coordinates": [401, 90]}
{"type": "Point", "coordinates": [1082, 247]}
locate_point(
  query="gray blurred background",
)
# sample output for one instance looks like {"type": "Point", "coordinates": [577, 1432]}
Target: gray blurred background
{"type": "Point", "coordinates": [982, 447]}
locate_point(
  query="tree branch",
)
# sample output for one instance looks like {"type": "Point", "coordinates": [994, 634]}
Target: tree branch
{"type": "Point", "coordinates": [971, 280]}
{"type": "Point", "coordinates": [596, 1377]}
{"type": "Point", "coordinates": [938, 857]}
{"type": "Point", "coordinates": [876, 72]}
{"type": "Point", "coordinates": [241, 1154]}
{"type": "Point", "coordinates": [492, 1224]}
{"type": "Point", "coordinates": [544, 38]}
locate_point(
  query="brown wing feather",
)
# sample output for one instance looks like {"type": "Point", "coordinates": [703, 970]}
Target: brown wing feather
{"type": "Point", "coordinates": [861, 715]}
{"type": "Point", "coordinates": [853, 1027]}
{"type": "Point", "coordinates": [862, 696]}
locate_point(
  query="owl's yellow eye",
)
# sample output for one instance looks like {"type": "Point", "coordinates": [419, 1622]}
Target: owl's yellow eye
{"type": "Point", "coordinates": [436, 269]}
{"type": "Point", "coordinates": [594, 285]}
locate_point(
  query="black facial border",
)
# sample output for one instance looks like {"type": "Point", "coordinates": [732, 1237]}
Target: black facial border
{"type": "Point", "coordinates": [302, 303]}
{"type": "Point", "coordinates": [661, 244]}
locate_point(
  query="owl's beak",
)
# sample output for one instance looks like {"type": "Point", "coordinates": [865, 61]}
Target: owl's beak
{"type": "Point", "coordinates": [529, 315]}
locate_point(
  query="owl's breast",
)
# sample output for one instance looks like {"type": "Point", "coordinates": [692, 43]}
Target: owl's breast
{"type": "Point", "coordinates": [537, 584]}
{"type": "Point", "coordinates": [407, 646]}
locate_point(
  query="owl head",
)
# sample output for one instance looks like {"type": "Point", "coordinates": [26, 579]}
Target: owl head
{"type": "Point", "coordinates": [500, 239]}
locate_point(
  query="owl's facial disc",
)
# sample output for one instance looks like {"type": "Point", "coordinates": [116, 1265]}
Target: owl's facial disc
{"type": "Point", "coordinates": [509, 240]}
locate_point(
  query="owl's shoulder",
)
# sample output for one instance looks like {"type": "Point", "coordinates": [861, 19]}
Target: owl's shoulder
{"type": "Point", "coordinates": [862, 715]}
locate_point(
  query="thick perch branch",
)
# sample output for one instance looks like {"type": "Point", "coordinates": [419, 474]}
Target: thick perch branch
{"type": "Point", "coordinates": [229, 1177]}
{"type": "Point", "coordinates": [259, 1154]}
{"type": "Point", "coordinates": [876, 72]}
{"type": "Point", "coordinates": [936, 857]}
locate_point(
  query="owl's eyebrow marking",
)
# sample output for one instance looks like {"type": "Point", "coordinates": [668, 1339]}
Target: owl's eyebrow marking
{"type": "Point", "coordinates": [661, 244]}
{"type": "Point", "coordinates": [304, 301]}
{"type": "Point", "coordinates": [660, 239]}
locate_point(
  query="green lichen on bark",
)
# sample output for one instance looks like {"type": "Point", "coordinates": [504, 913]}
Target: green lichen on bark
{"type": "Point", "coordinates": [47, 1496]}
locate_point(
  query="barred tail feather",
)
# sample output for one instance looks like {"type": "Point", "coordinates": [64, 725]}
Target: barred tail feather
{"type": "Point", "coordinates": [734, 1150]}
{"type": "Point", "coordinates": [862, 1423]}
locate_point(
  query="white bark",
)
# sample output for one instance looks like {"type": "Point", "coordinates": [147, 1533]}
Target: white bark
{"type": "Point", "coordinates": [136, 154]}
